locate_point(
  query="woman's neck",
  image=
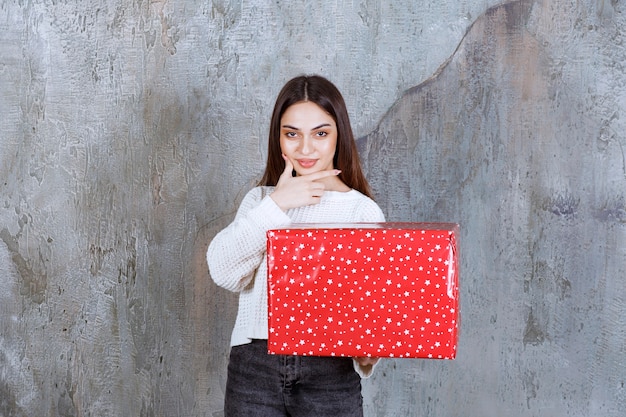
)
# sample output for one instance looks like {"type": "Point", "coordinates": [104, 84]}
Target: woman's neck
{"type": "Point", "coordinates": [335, 184]}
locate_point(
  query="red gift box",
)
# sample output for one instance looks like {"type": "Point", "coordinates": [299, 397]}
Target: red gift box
{"type": "Point", "coordinates": [364, 289]}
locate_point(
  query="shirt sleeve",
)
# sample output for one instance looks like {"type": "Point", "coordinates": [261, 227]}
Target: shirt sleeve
{"type": "Point", "coordinates": [364, 371]}
{"type": "Point", "coordinates": [236, 252]}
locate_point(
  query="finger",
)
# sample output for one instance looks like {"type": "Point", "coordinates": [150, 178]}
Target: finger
{"type": "Point", "coordinates": [316, 188]}
{"type": "Point", "coordinates": [288, 166]}
{"type": "Point", "coordinates": [323, 174]}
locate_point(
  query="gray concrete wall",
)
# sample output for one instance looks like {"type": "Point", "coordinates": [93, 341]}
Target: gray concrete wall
{"type": "Point", "coordinates": [130, 132]}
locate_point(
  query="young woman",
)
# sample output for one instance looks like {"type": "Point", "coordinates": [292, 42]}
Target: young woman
{"type": "Point", "coordinates": [313, 175]}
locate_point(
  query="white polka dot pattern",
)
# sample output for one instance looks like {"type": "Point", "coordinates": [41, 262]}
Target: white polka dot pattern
{"type": "Point", "coordinates": [380, 290]}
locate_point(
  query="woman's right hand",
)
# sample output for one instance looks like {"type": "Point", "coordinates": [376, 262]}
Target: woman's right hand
{"type": "Point", "coordinates": [303, 190]}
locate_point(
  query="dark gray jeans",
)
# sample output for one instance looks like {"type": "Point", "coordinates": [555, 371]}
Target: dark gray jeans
{"type": "Point", "coordinates": [264, 385]}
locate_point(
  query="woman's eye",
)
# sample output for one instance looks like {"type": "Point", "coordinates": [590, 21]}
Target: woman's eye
{"type": "Point", "coordinates": [321, 134]}
{"type": "Point", "coordinates": [291, 134]}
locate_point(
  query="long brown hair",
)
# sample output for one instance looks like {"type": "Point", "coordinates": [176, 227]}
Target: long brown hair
{"type": "Point", "coordinates": [322, 92]}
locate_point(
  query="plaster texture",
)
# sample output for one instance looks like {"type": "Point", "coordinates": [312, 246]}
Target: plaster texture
{"type": "Point", "coordinates": [130, 131]}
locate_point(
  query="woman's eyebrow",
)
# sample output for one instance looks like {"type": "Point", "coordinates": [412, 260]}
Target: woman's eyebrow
{"type": "Point", "coordinates": [315, 128]}
{"type": "Point", "coordinates": [321, 126]}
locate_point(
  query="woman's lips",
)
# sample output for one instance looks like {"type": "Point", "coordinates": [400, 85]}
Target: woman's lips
{"type": "Point", "coordinates": [307, 163]}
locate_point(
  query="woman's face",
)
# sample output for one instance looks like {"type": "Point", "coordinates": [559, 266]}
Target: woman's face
{"type": "Point", "coordinates": [308, 137]}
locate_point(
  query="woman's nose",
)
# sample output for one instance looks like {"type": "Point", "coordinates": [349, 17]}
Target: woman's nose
{"type": "Point", "coordinates": [306, 146]}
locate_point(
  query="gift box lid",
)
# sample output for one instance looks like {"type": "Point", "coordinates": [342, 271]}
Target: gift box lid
{"type": "Point", "coordinates": [422, 226]}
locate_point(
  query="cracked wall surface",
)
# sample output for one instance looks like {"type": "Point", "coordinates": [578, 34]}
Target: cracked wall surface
{"type": "Point", "coordinates": [131, 131]}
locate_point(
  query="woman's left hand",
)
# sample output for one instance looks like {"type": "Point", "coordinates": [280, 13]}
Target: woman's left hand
{"type": "Point", "coordinates": [366, 361]}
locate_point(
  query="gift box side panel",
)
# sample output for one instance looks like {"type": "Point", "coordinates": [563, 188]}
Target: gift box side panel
{"type": "Point", "coordinates": [398, 325]}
